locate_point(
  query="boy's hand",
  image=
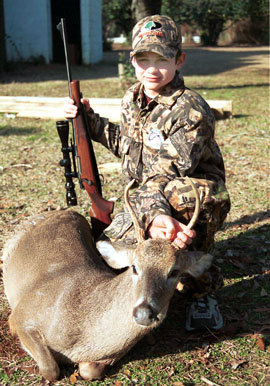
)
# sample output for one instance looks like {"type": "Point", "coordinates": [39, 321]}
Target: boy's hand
{"type": "Point", "coordinates": [166, 227]}
{"type": "Point", "coordinates": [70, 110]}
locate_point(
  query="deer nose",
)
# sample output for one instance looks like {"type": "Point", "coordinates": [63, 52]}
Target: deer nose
{"type": "Point", "coordinates": [144, 314]}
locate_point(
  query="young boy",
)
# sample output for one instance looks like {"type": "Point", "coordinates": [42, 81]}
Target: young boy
{"type": "Point", "coordinates": [167, 133]}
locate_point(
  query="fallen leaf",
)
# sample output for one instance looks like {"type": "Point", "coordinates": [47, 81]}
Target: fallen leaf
{"type": "Point", "coordinates": [256, 285]}
{"type": "Point", "coordinates": [171, 371]}
{"type": "Point", "coordinates": [209, 382]}
{"type": "Point", "coordinates": [263, 293]}
{"type": "Point", "coordinates": [217, 370]}
{"type": "Point", "coordinates": [233, 327]}
{"type": "Point", "coordinates": [27, 166]}
{"type": "Point", "coordinates": [265, 328]}
{"type": "Point", "coordinates": [30, 369]}
{"type": "Point", "coordinates": [262, 309]}
{"type": "Point", "coordinates": [177, 384]}
{"type": "Point", "coordinates": [151, 340]}
{"type": "Point", "coordinates": [260, 343]}
{"type": "Point", "coordinates": [73, 378]}
{"type": "Point", "coordinates": [118, 383]}
{"type": "Point", "coordinates": [237, 264]}
{"type": "Point", "coordinates": [236, 364]}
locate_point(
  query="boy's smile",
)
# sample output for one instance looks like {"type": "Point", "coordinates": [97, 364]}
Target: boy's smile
{"type": "Point", "coordinates": [155, 71]}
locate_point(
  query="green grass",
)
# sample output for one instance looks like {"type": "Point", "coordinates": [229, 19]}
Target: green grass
{"type": "Point", "coordinates": [32, 181]}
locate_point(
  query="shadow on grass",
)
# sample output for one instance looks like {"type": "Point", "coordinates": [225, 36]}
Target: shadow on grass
{"type": "Point", "coordinates": [250, 219]}
{"type": "Point", "coordinates": [200, 61]}
{"type": "Point", "coordinates": [248, 253]}
{"type": "Point", "coordinates": [232, 87]}
{"type": "Point", "coordinates": [241, 116]}
{"type": "Point", "coordinates": [10, 131]}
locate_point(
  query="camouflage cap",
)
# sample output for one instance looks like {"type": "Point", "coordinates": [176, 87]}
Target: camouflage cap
{"type": "Point", "coordinates": [158, 34]}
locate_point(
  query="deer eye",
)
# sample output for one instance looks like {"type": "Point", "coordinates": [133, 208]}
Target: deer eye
{"type": "Point", "coordinates": [134, 270]}
{"type": "Point", "coordinates": [174, 273]}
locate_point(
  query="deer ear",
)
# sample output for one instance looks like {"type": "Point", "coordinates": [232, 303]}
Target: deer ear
{"type": "Point", "coordinates": [116, 256]}
{"type": "Point", "coordinates": [195, 263]}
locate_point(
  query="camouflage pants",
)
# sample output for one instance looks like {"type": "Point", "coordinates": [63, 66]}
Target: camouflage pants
{"type": "Point", "coordinates": [214, 206]}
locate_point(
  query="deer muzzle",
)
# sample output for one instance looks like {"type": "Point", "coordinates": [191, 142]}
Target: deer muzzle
{"type": "Point", "coordinates": [144, 314]}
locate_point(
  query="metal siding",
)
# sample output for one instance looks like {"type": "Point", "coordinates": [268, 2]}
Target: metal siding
{"type": "Point", "coordinates": [28, 29]}
{"type": "Point", "coordinates": [91, 30]}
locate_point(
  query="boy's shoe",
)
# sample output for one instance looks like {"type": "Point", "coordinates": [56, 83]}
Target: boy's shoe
{"type": "Point", "coordinates": [204, 314]}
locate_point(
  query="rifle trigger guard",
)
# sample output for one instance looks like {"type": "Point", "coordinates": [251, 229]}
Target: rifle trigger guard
{"type": "Point", "coordinates": [88, 182]}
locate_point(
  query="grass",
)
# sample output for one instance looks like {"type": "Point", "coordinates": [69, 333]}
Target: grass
{"type": "Point", "coordinates": [32, 181]}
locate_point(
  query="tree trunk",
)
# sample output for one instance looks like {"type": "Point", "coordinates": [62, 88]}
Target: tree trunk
{"type": "Point", "coordinates": [143, 8]}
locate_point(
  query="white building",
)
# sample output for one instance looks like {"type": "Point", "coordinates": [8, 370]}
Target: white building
{"type": "Point", "coordinates": [30, 30]}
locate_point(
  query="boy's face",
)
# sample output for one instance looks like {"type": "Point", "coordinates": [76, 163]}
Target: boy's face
{"type": "Point", "coordinates": [155, 71]}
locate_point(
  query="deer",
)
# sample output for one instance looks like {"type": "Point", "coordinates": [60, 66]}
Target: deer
{"type": "Point", "coordinates": [74, 301]}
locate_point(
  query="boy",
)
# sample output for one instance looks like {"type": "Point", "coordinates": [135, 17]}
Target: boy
{"type": "Point", "coordinates": [167, 133]}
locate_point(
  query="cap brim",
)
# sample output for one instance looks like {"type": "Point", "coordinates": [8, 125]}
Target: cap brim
{"type": "Point", "coordinates": [163, 50]}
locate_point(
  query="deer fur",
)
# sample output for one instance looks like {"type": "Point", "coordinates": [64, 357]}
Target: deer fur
{"type": "Point", "coordinates": [69, 306]}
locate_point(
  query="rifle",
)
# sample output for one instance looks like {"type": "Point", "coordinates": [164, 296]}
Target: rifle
{"type": "Point", "coordinates": [82, 154]}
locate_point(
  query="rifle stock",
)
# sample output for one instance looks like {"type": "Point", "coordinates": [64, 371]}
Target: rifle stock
{"type": "Point", "coordinates": [87, 171]}
{"type": "Point", "coordinates": [100, 209]}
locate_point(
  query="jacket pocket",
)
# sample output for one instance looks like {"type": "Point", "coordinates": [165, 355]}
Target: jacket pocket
{"type": "Point", "coordinates": [132, 156]}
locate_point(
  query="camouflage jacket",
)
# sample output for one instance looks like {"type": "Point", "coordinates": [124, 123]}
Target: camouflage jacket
{"type": "Point", "coordinates": [170, 137]}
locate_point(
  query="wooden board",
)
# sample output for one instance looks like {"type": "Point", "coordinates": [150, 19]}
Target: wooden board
{"type": "Point", "coordinates": [46, 107]}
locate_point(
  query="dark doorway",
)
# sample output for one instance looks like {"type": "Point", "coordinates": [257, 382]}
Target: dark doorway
{"type": "Point", "coordinates": [70, 10]}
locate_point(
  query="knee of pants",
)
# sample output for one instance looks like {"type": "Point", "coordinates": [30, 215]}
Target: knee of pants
{"type": "Point", "coordinates": [180, 195]}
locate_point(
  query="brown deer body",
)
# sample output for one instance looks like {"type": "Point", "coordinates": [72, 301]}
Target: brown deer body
{"type": "Point", "coordinates": [68, 305]}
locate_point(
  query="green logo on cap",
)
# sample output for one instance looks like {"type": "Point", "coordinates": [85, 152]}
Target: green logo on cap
{"type": "Point", "coordinates": [152, 25]}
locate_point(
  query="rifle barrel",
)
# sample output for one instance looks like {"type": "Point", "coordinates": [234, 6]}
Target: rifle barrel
{"type": "Point", "coordinates": [62, 28]}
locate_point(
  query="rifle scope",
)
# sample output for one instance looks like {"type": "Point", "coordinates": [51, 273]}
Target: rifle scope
{"type": "Point", "coordinates": [63, 132]}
